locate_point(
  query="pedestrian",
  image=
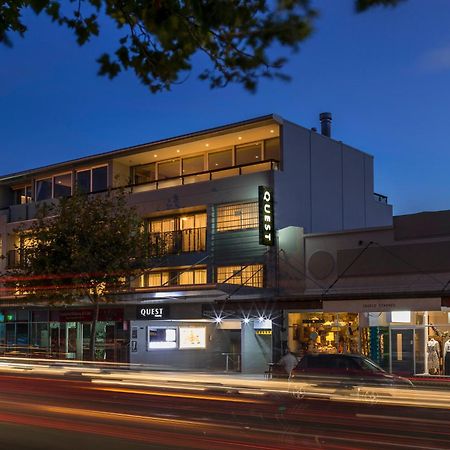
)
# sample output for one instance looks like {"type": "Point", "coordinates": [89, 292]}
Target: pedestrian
{"type": "Point", "coordinates": [289, 362]}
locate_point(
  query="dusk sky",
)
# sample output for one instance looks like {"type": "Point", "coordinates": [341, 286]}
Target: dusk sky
{"type": "Point", "coordinates": [384, 75]}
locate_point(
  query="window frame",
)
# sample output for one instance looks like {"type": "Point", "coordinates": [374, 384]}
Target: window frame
{"type": "Point", "coordinates": [221, 225]}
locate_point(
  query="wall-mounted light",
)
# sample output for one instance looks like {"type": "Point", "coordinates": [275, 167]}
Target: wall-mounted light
{"type": "Point", "coordinates": [154, 156]}
{"type": "Point", "coordinates": [218, 319]}
{"type": "Point", "coordinates": [272, 131]}
{"type": "Point", "coordinates": [246, 320]}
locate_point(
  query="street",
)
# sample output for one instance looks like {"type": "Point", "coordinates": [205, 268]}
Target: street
{"type": "Point", "coordinates": [87, 410]}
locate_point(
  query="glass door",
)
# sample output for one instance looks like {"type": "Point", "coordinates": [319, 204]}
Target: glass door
{"type": "Point", "coordinates": [402, 351]}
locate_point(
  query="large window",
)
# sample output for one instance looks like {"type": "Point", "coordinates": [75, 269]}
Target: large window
{"type": "Point", "coordinates": [178, 234]}
{"type": "Point", "coordinates": [251, 275]}
{"type": "Point", "coordinates": [195, 164]}
{"type": "Point", "coordinates": [99, 179]}
{"type": "Point", "coordinates": [43, 189]}
{"type": "Point", "coordinates": [238, 216]}
{"type": "Point", "coordinates": [272, 149]}
{"type": "Point", "coordinates": [220, 160]}
{"type": "Point", "coordinates": [173, 277]}
{"type": "Point", "coordinates": [62, 185]}
{"type": "Point", "coordinates": [248, 154]}
{"type": "Point", "coordinates": [92, 180]}
{"type": "Point", "coordinates": [22, 195]}
{"type": "Point", "coordinates": [169, 169]}
{"type": "Point", "coordinates": [145, 173]}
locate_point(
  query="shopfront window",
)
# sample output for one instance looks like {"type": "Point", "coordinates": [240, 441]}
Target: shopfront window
{"type": "Point", "coordinates": [319, 332]}
{"type": "Point", "coordinates": [161, 338]}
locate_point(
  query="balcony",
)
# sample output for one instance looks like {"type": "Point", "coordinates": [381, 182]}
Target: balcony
{"type": "Point", "coordinates": [208, 175]}
{"type": "Point", "coordinates": [176, 242]}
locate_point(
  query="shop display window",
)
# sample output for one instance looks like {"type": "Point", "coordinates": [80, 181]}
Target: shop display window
{"type": "Point", "coordinates": [192, 337]}
{"type": "Point", "coordinates": [318, 332]}
{"type": "Point", "coordinates": [161, 338]}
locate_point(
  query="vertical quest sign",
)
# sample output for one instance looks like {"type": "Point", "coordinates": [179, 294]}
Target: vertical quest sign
{"type": "Point", "coordinates": [266, 216]}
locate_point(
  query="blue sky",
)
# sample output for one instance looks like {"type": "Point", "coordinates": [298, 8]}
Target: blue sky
{"type": "Point", "coordinates": [384, 75]}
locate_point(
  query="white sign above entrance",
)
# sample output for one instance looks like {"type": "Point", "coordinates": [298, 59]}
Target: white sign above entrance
{"type": "Point", "coordinates": [378, 305]}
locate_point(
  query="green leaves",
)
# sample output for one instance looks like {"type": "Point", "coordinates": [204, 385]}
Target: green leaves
{"type": "Point", "coordinates": [84, 242]}
{"type": "Point", "coordinates": [160, 38]}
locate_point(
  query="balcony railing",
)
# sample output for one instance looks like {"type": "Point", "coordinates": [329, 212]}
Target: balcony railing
{"type": "Point", "coordinates": [380, 198]}
{"type": "Point", "coordinates": [216, 174]}
{"type": "Point", "coordinates": [180, 241]}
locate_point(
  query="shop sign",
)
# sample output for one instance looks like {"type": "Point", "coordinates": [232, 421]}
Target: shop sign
{"type": "Point", "coordinates": [378, 305]}
{"type": "Point", "coordinates": [264, 332]}
{"type": "Point", "coordinates": [86, 315]}
{"type": "Point", "coordinates": [152, 312]}
{"type": "Point", "coordinates": [266, 216]}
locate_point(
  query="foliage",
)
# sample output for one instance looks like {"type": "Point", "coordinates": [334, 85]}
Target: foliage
{"type": "Point", "coordinates": [86, 247]}
{"type": "Point", "coordinates": [158, 39]}
{"type": "Point", "coordinates": [83, 247]}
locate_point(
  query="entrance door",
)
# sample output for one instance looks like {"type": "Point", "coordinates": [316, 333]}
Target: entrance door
{"type": "Point", "coordinates": [402, 346]}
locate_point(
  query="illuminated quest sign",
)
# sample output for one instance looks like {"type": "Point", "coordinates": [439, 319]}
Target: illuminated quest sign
{"type": "Point", "coordinates": [266, 216]}
{"type": "Point", "coordinates": [152, 312]}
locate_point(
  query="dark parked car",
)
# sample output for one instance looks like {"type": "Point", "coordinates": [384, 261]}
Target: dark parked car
{"type": "Point", "coordinates": [327, 374]}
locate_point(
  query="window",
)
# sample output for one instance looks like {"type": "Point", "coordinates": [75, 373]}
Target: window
{"type": "Point", "coordinates": [248, 154]}
{"type": "Point", "coordinates": [192, 337]}
{"type": "Point", "coordinates": [193, 165]}
{"type": "Point", "coordinates": [272, 149]}
{"type": "Point", "coordinates": [145, 173]}
{"type": "Point", "coordinates": [62, 185]}
{"type": "Point", "coordinates": [175, 277]}
{"type": "Point", "coordinates": [162, 338]}
{"type": "Point", "coordinates": [84, 181]}
{"type": "Point", "coordinates": [185, 233]}
{"type": "Point", "coordinates": [92, 180]}
{"type": "Point", "coordinates": [169, 169]}
{"type": "Point", "coordinates": [251, 275]}
{"type": "Point", "coordinates": [43, 189]}
{"type": "Point", "coordinates": [237, 216]}
{"type": "Point", "coordinates": [22, 195]}
{"type": "Point", "coordinates": [99, 179]}
{"type": "Point", "coordinates": [220, 160]}
{"type": "Point", "coordinates": [197, 276]}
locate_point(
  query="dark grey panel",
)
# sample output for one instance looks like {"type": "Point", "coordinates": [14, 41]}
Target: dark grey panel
{"type": "Point", "coordinates": [399, 259]}
{"type": "Point", "coordinates": [232, 247]}
{"type": "Point", "coordinates": [425, 224]}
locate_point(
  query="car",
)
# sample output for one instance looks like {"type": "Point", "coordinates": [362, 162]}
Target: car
{"type": "Point", "coordinates": [327, 375]}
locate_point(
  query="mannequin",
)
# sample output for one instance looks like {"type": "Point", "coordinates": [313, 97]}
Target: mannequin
{"type": "Point", "coordinates": [433, 356]}
{"type": "Point", "coordinates": [447, 357]}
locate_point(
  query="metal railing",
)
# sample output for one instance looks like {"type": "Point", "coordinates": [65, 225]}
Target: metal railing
{"type": "Point", "coordinates": [180, 241]}
{"type": "Point", "coordinates": [380, 198]}
{"type": "Point", "coordinates": [232, 362]}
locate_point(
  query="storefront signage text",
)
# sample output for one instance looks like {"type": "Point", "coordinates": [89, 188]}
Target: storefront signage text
{"type": "Point", "coordinates": [266, 216]}
{"type": "Point", "coordinates": [152, 312]}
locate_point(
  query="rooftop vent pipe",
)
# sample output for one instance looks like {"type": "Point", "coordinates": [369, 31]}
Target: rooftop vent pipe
{"type": "Point", "coordinates": [325, 122]}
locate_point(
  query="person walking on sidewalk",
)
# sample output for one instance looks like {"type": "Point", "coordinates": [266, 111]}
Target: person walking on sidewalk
{"type": "Point", "coordinates": [289, 362]}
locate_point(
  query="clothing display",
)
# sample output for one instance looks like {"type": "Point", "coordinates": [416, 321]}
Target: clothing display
{"type": "Point", "coordinates": [433, 356]}
{"type": "Point", "coordinates": [447, 358]}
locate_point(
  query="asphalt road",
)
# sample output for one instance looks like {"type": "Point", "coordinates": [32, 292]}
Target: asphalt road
{"type": "Point", "coordinates": [70, 412]}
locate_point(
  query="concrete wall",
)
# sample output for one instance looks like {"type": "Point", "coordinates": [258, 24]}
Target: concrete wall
{"type": "Point", "coordinates": [256, 350]}
{"type": "Point", "coordinates": [374, 261]}
{"type": "Point", "coordinates": [325, 185]}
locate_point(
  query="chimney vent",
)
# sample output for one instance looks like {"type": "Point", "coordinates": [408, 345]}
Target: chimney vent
{"type": "Point", "coordinates": [325, 122]}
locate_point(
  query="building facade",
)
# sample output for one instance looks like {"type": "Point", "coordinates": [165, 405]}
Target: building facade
{"type": "Point", "coordinates": [211, 300]}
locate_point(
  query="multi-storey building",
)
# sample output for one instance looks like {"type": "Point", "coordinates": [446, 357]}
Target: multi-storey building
{"type": "Point", "coordinates": [211, 300]}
